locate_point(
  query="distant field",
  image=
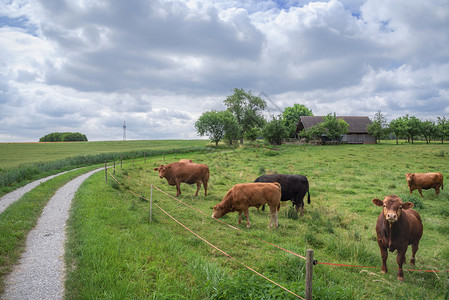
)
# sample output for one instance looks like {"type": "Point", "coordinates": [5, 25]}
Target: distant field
{"type": "Point", "coordinates": [15, 154]}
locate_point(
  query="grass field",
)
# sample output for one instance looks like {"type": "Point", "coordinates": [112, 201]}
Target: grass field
{"type": "Point", "coordinates": [15, 154]}
{"type": "Point", "coordinates": [115, 252]}
{"type": "Point", "coordinates": [21, 163]}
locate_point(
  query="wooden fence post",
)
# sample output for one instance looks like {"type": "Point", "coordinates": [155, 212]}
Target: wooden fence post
{"type": "Point", "coordinates": [106, 171]}
{"type": "Point", "coordinates": [309, 274]}
{"type": "Point", "coordinates": [151, 204]}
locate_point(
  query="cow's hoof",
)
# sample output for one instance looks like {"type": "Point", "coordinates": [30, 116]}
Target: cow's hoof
{"type": "Point", "coordinates": [383, 271]}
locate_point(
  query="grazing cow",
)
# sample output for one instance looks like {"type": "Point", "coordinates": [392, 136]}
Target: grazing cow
{"type": "Point", "coordinates": [190, 173]}
{"type": "Point", "coordinates": [294, 187]}
{"type": "Point", "coordinates": [397, 227]}
{"type": "Point", "coordinates": [419, 181]}
{"type": "Point", "coordinates": [183, 160]}
{"type": "Point", "coordinates": [242, 196]}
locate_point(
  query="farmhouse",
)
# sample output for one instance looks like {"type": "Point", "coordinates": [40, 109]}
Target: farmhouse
{"type": "Point", "coordinates": [357, 132]}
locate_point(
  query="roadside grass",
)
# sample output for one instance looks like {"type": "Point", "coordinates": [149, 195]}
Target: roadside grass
{"type": "Point", "coordinates": [21, 216]}
{"type": "Point", "coordinates": [115, 251]}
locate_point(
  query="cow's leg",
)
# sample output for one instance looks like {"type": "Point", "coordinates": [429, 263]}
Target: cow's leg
{"type": "Point", "coordinates": [400, 259]}
{"type": "Point", "coordinates": [437, 189]}
{"type": "Point", "coordinates": [178, 188]}
{"type": "Point", "coordinates": [384, 255]}
{"type": "Point", "coordinates": [240, 217]}
{"type": "Point", "coordinates": [246, 212]}
{"type": "Point", "coordinates": [420, 192]}
{"type": "Point", "coordinates": [414, 250]}
{"type": "Point", "coordinates": [274, 219]}
{"type": "Point", "coordinates": [198, 186]}
{"type": "Point", "coordinates": [205, 188]}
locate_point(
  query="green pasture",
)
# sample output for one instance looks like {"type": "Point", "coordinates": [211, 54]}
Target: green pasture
{"type": "Point", "coordinates": [114, 251]}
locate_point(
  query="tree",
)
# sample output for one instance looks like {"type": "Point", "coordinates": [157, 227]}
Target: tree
{"type": "Point", "coordinates": [335, 127]}
{"type": "Point", "coordinates": [275, 131]}
{"type": "Point", "coordinates": [246, 109]}
{"type": "Point", "coordinates": [214, 124]}
{"type": "Point", "coordinates": [428, 130]}
{"type": "Point", "coordinates": [291, 117]}
{"type": "Point", "coordinates": [399, 128]}
{"type": "Point", "coordinates": [378, 127]}
{"type": "Point", "coordinates": [413, 127]}
{"type": "Point", "coordinates": [442, 128]}
{"type": "Point", "coordinates": [64, 137]}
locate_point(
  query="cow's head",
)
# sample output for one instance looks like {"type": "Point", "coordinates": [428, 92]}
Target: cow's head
{"type": "Point", "coordinates": [392, 207]}
{"type": "Point", "coordinates": [409, 177]}
{"type": "Point", "coordinates": [219, 211]}
{"type": "Point", "coordinates": [162, 169]}
{"type": "Point", "coordinates": [224, 207]}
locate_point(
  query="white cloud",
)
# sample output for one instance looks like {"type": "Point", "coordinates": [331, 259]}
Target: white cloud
{"type": "Point", "coordinates": [89, 65]}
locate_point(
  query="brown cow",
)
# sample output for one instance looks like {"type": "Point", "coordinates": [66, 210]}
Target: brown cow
{"type": "Point", "coordinates": [425, 181]}
{"type": "Point", "coordinates": [397, 227]}
{"type": "Point", "coordinates": [242, 196]}
{"type": "Point", "coordinates": [183, 160]}
{"type": "Point", "coordinates": [190, 173]}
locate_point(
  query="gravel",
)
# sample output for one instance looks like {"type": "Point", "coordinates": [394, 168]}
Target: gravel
{"type": "Point", "coordinates": [15, 195]}
{"type": "Point", "coordinates": [40, 273]}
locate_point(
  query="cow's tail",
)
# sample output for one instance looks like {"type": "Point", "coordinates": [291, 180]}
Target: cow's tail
{"type": "Point", "coordinates": [308, 197]}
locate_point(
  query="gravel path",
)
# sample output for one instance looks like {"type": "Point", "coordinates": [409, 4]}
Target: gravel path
{"type": "Point", "coordinates": [15, 195]}
{"type": "Point", "coordinates": [40, 273]}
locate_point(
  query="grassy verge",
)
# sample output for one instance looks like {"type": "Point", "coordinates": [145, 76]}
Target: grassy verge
{"type": "Point", "coordinates": [111, 239]}
{"type": "Point", "coordinates": [21, 216]}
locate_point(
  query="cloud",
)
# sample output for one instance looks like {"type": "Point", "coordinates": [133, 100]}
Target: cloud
{"type": "Point", "coordinates": [87, 66]}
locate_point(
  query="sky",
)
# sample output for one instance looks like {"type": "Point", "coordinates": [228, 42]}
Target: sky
{"type": "Point", "coordinates": [88, 66]}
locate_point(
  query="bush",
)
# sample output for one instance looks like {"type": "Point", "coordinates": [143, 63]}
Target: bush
{"type": "Point", "coordinates": [64, 137]}
{"type": "Point", "coordinates": [275, 131]}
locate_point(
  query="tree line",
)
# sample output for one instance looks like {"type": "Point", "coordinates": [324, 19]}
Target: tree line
{"type": "Point", "coordinates": [243, 119]}
{"type": "Point", "coordinates": [410, 128]}
{"type": "Point", "coordinates": [64, 137]}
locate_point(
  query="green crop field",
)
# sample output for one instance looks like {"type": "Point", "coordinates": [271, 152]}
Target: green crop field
{"type": "Point", "coordinates": [114, 251]}
{"type": "Point", "coordinates": [15, 154]}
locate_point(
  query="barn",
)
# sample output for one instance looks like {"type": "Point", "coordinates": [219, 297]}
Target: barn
{"type": "Point", "coordinates": [357, 132]}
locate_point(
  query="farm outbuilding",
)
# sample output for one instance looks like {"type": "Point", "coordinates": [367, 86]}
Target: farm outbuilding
{"type": "Point", "coordinates": [357, 132]}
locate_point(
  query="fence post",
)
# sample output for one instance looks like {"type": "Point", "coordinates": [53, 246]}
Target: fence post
{"type": "Point", "coordinates": [151, 204]}
{"type": "Point", "coordinates": [114, 167]}
{"type": "Point", "coordinates": [121, 162]}
{"type": "Point", "coordinates": [309, 273]}
{"type": "Point", "coordinates": [106, 171]}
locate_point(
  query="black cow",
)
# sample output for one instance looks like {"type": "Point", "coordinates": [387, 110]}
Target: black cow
{"type": "Point", "coordinates": [293, 187]}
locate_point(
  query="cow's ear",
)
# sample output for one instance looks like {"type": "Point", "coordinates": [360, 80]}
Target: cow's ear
{"type": "Point", "coordinates": [407, 205]}
{"type": "Point", "coordinates": [156, 169]}
{"type": "Point", "coordinates": [378, 202]}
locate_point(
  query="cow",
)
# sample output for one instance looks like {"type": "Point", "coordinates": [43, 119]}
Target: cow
{"type": "Point", "coordinates": [241, 196]}
{"type": "Point", "coordinates": [183, 160]}
{"type": "Point", "coordinates": [294, 188]}
{"type": "Point", "coordinates": [419, 181]}
{"type": "Point", "coordinates": [397, 227]}
{"type": "Point", "coordinates": [189, 173]}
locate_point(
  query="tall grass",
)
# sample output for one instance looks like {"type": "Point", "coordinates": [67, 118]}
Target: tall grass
{"type": "Point", "coordinates": [111, 234]}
